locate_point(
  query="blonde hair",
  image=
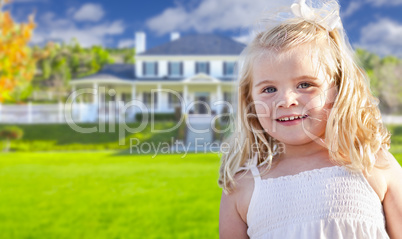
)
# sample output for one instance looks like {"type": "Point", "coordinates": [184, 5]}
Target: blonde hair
{"type": "Point", "coordinates": [354, 130]}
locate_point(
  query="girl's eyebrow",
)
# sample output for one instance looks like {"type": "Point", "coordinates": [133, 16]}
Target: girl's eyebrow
{"type": "Point", "coordinates": [263, 82]}
{"type": "Point", "coordinates": [294, 79]}
{"type": "Point", "coordinates": [306, 77]}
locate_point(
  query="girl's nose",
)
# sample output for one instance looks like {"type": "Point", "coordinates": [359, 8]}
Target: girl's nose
{"type": "Point", "coordinates": [287, 99]}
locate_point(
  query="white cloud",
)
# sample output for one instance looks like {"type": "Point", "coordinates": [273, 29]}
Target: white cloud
{"type": "Point", "coordinates": [351, 8]}
{"type": "Point", "coordinates": [358, 4]}
{"type": "Point", "coordinates": [71, 11]}
{"type": "Point", "coordinates": [211, 15]}
{"type": "Point", "coordinates": [126, 43]}
{"type": "Point", "coordinates": [385, 2]}
{"type": "Point", "coordinates": [15, 1]}
{"type": "Point", "coordinates": [89, 12]}
{"type": "Point", "coordinates": [245, 39]}
{"type": "Point", "coordinates": [382, 37]}
{"type": "Point", "coordinates": [52, 28]}
{"type": "Point", "coordinates": [48, 20]}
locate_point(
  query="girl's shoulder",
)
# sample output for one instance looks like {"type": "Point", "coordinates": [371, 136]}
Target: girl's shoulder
{"type": "Point", "coordinates": [388, 174]}
{"type": "Point", "coordinates": [233, 209]}
{"type": "Point", "coordinates": [383, 174]}
{"type": "Point", "coordinates": [244, 187]}
{"type": "Point", "coordinates": [377, 181]}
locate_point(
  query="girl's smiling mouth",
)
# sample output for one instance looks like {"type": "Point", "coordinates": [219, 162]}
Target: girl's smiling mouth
{"type": "Point", "coordinates": [291, 118]}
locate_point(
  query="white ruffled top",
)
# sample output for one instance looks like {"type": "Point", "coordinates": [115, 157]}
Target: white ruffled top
{"type": "Point", "coordinates": [331, 202]}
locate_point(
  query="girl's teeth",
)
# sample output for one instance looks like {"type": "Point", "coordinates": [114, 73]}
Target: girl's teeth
{"type": "Point", "coordinates": [292, 118]}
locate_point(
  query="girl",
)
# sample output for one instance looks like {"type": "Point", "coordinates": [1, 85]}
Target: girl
{"type": "Point", "coordinates": [310, 158]}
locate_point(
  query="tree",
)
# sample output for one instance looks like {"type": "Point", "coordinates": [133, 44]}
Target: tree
{"type": "Point", "coordinates": [389, 87]}
{"type": "Point", "coordinates": [129, 56]}
{"type": "Point", "coordinates": [385, 77]}
{"type": "Point", "coordinates": [17, 64]}
{"type": "Point", "coordinates": [58, 64]}
{"type": "Point", "coordinates": [370, 62]}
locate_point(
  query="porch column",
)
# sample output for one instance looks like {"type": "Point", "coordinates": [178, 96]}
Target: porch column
{"type": "Point", "coordinates": [185, 95]}
{"type": "Point", "coordinates": [73, 92]}
{"type": "Point", "coordinates": [133, 92]}
{"type": "Point", "coordinates": [159, 109]}
{"type": "Point", "coordinates": [133, 97]}
{"type": "Point", "coordinates": [219, 98]}
{"type": "Point", "coordinates": [96, 93]}
{"type": "Point", "coordinates": [118, 97]}
{"type": "Point", "coordinates": [118, 115]}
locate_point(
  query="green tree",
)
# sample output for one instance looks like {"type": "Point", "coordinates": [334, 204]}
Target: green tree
{"type": "Point", "coordinates": [385, 79]}
{"type": "Point", "coordinates": [389, 88]}
{"type": "Point", "coordinates": [128, 57]}
{"type": "Point", "coordinates": [390, 60]}
{"type": "Point", "coordinates": [60, 63]}
{"type": "Point", "coordinates": [367, 59]}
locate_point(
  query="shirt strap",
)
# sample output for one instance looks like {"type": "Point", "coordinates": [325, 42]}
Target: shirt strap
{"type": "Point", "coordinates": [256, 173]}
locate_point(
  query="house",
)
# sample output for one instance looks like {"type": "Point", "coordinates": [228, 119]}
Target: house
{"type": "Point", "coordinates": [194, 73]}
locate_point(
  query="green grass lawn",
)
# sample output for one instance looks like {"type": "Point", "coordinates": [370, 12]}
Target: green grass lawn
{"type": "Point", "coordinates": [111, 194]}
{"type": "Point", "coordinates": [61, 137]}
{"type": "Point", "coordinates": [106, 195]}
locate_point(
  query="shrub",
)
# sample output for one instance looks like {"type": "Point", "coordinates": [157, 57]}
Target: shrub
{"type": "Point", "coordinates": [9, 133]}
{"type": "Point", "coordinates": [177, 113]}
{"type": "Point", "coordinates": [182, 131]}
{"type": "Point", "coordinates": [157, 117]}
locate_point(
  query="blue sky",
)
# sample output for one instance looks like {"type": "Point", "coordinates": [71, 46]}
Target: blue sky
{"type": "Point", "coordinates": [375, 25]}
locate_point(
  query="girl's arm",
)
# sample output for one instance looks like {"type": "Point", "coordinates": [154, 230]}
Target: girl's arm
{"type": "Point", "coordinates": [231, 225]}
{"type": "Point", "coordinates": [392, 202]}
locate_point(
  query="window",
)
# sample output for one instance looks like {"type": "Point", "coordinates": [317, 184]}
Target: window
{"type": "Point", "coordinates": [174, 100]}
{"type": "Point", "coordinates": [202, 67]}
{"type": "Point", "coordinates": [228, 68]}
{"type": "Point", "coordinates": [150, 68]}
{"type": "Point", "coordinates": [125, 97]}
{"type": "Point", "coordinates": [175, 68]}
{"type": "Point", "coordinates": [227, 96]}
{"type": "Point", "coordinates": [147, 99]}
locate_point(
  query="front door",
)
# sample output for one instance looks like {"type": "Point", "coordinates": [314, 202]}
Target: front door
{"type": "Point", "coordinates": [201, 105]}
{"type": "Point", "coordinates": [202, 108]}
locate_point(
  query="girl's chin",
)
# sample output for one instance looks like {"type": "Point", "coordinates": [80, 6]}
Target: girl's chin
{"type": "Point", "coordinates": [298, 139]}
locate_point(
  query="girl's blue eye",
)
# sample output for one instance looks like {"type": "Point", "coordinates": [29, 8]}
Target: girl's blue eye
{"type": "Point", "coordinates": [270, 90]}
{"type": "Point", "coordinates": [304, 85]}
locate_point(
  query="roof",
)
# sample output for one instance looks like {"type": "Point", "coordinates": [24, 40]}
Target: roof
{"type": "Point", "coordinates": [178, 79]}
{"type": "Point", "coordinates": [200, 44]}
{"type": "Point", "coordinates": [127, 72]}
{"type": "Point", "coordinates": [113, 71]}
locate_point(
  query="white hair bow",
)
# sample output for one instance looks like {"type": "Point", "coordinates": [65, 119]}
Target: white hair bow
{"type": "Point", "coordinates": [329, 19]}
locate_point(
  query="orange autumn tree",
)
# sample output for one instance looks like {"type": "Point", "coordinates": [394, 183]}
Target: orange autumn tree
{"type": "Point", "coordinates": [17, 65]}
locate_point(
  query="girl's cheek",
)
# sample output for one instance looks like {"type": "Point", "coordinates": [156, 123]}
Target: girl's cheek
{"type": "Point", "coordinates": [319, 100]}
{"type": "Point", "coordinates": [331, 95]}
{"type": "Point", "coordinates": [262, 109]}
